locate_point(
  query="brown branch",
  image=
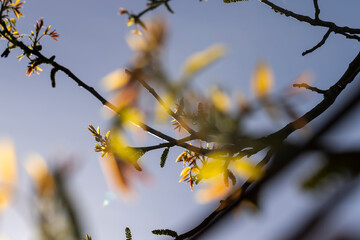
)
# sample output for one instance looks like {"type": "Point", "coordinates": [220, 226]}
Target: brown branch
{"type": "Point", "coordinates": [329, 98]}
{"type": "Point", "coordinates": [314, 89]}
{"type": "Point", "coordinates": [315, 22]}
{"type": "Point", "coordinates": [322, 42]}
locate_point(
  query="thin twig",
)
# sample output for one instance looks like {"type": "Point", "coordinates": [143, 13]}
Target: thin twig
{"type": "Point", "coordinates": [162, 103]}
{"type": "Point", "coordinates": [317, 9]}
{"type": "Point", "coordinates": [322, 42]}
{"type": "Point", "coordinates": [152, 7]}
{"type": "Point", "coordinates": [314, 89]}
{"type": "Point", "coordinates": [315, 22]}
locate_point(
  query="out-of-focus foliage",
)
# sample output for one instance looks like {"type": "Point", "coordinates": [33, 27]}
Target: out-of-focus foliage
{"type": "Point", "coordinates": [337, 167]}
{"type": "Point", "coordinates": [56, 218]}
{"type": "Point", "coordinates": [8, 174]}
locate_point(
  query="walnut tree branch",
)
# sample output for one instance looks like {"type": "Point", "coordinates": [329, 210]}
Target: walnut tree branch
{"type": "Point", "coordinates": [314, 89]}
{"type": "Point", "coordinates": [317, 9]}
{"type": "Point", "coordinates": [329, 98]}
{"type": "Point", "coordinates": [346, 31]}
{"type": "Point", "coordinates": [162, 103]}
{"type": "Point", "coordinates": [322, 42]}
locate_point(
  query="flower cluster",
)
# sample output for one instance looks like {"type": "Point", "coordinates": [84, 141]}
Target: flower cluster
{"type": "Point", "coordinates": [104, 142]}
{"type": "Point", "coordinates": [192, 163]}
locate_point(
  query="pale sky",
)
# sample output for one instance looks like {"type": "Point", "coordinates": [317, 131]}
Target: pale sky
{"type": "Point", "coordinates": [52, 122]}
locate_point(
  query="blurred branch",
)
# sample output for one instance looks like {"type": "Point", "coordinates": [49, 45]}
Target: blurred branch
{"type": "Point", "coordinates": [324, 211]}
{"type": "Point", "coordinates": [162, 102]}
{"type": "Point", "coordinates": [68, 205]}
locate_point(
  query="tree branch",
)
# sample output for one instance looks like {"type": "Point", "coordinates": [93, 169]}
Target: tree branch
{"type": "Point", "coordinates": [322, 42]}
{"type": "Point", "coordinates": [315, 22]}
{"type": "Point", "coordinates": [284, 156]}
{"type": "Point", "coordinates": [314, 89]}
{"type": "Point", "coordinates": [329, 98]}
{"type": "Point", "coordinates": [317, 9]}
{"type": "Point", "coordinates": [152, 7]}
{"type": "Point", "coordinates": [162, 103]}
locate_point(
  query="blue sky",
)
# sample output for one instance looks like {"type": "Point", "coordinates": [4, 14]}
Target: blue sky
{"type": "Point", "coordinates": [52, 122]}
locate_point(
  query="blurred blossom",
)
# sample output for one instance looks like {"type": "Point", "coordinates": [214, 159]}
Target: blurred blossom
{"type": "Point", "coordinates": [136, 43]}
{"type": "Point", "coordinates": [212, 169]}
{"type": "Point", "coordinates": [136, 31]}
{"type": "Point", "coordinates": [202, 59]}
{"type": "Point", "coordinates": [262, 81]}
{"type": "Point", "coordinates": [152, 40]}
{"type": "Point", "coordinates": [245, 169]}
{"type": "Point", "coordinates": [161, 115]}
{"type": "Point", "coordinates": [220, 100]}
{"type": "Point", "coordinates": [8, 173]}
{"type": "Point", "coordinates": [42, 178]}
{"type": "Point", "coordinates": [119, 175]}
{"type": "Point", "coordinates": [132, 115]}
{"type": "Point", "coordinates": [305, 77]}
{"type": "Point", "coordinates": [115, 80]}
{"type": "Point", "coordinates": [215, 189]}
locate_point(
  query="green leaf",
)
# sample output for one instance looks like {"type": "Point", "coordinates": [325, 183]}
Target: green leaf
{"type": "Point", "coordinates": [164, 156]}
{"type": "Point", "coordinates": [166, 232]}
{"type": "Point", "coordinates": [128, 234]}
